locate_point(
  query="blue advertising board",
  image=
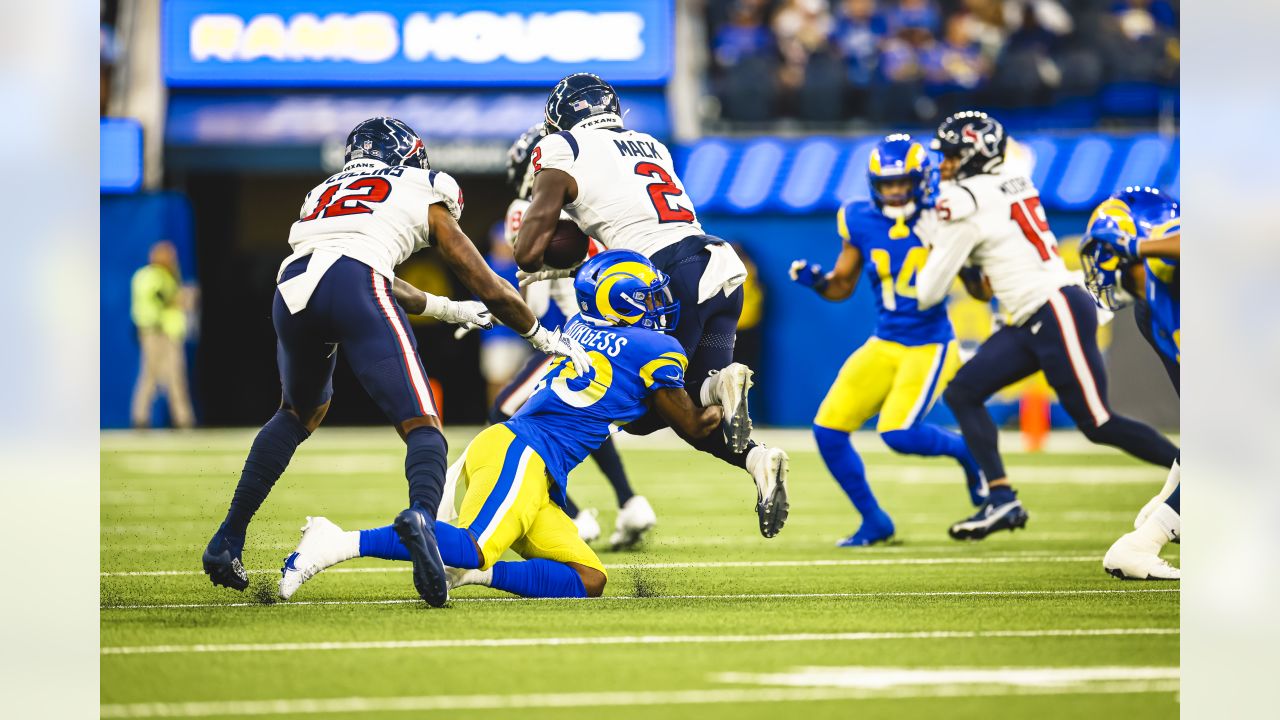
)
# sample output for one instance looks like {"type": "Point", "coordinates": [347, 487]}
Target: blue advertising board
{"type": "Point", "coordinates": [120, 158]}
{"type": "Point", "coordinates": [394, 43]}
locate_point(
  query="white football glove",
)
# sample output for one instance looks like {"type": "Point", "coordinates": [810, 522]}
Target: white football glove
{"type": "Point", "coordinates": [468, 315]}
{"type": "Point", "coordinates": [553, 342]}
{"type": "Point", "coordinates": [527, 279]}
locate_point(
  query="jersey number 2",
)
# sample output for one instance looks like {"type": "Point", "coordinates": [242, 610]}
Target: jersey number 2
{"type": "Point", "coordinates": [660, 190]}
{"type": "Point", "coordinates": [1030, 217]}
{"type": "Point", "coordinates": [376, 190]}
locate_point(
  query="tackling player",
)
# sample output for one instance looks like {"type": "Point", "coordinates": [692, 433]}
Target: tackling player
{"type": "Point", "coordinates": [336, 290]}
{"type": "Point", "coordinates": [1133, 243]}
{"type": "Point", "coordinates": [516, 472]}
{"type": "Point", "coordinates": [620, 187]}
{"type": "Point", "coordinates": [554, 302]}
{"type": "Point", "coordinates": [991, 230]}
{"type": "Point", "coordinates": [902, 369]}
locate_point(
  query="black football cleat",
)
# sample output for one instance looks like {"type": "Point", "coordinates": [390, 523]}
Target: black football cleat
{"type": "Point", "coordinates": [222, 561]}
{"type": "Point", "coordinates": [418, 533]}
{"type": "Point", "coordinates": [993, 516]}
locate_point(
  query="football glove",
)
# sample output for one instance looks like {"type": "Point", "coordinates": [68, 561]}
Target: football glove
{"type": "Point", "coordinates": [553, 342]}
{"type": "Point", "coordinates": [470, 314]}
{"type": "Point", "coordinates": [1122, 244]}
{"type": "Point", "coordinates": [527, 279]}
{"type": "Point", "coordinates": [808, 274]}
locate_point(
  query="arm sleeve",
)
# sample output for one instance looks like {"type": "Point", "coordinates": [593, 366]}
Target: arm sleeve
{"type": "Point", "coordinates": [446, 191]}
{"type": "Point", "coordinates": [558, 151]}
{"type": "Point", "coordinates": [665, 371]}
{"type": "Point", "coordinates": [951, 247]}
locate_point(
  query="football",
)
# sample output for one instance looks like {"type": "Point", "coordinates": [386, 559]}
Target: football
{"type": "Point", "coordinates": [567, 247]}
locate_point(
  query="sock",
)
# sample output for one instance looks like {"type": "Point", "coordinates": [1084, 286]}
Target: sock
{"type": "Point", "coordinates": [846, 467]}
{"type": "Point", "coordinates": [424, 465]}
{"type": "Point", "coordinates": [928, 440]}
{"type": "Point", "coordinates": [456, 548]}
{"type": "Point", "coordinates": [538, 578]}
{"type": "Point", "coordinates": [382, 543]}
{"type": "Point", "coordinates": [1163, 526]}
{"type": "Point", "coordinates": [1001, 494]}
{"type": "Point", "coordinates": [707, 392]}
{"type": "Point", "coordinates": [268, 457]}
{"type": "Point", "coordinates": [981, 436]}
{"type": "Point", "coordinates": [1174, 501]}
{"type": "Point", "coordinates": [1139, 440]}
{"type": "Point", "coordinates": [610, 463]}
{"type": "Point", "coordinates": [570, 507]}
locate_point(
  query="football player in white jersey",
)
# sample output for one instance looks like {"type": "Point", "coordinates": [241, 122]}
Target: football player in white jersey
{"type": "Point", "coordinates": [338, 290]}
{"type": "Point", "coordinates": [989, 228]}
{"type": "Point", "coordinates": [620, 187]}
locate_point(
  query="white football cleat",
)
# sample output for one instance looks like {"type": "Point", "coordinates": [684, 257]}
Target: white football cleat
{"type": "Point", "coordinates": [635, 518]}
{"type": "Point", "coordinates": [459, 577]}
{"type": "Point", "coordinates": [768, 467]}
{"type": "Point", "coordinates": [587, 524]}
{"type": "Point", "coordinates": [1134, 557]}
{"type": "Point", "coordinates": [730, 391]}
{"type": "Point", "coordinates": [323, 545]}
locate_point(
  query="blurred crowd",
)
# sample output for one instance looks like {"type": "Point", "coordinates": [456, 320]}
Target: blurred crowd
{"type": "Point", "coordinates": [912, 61]}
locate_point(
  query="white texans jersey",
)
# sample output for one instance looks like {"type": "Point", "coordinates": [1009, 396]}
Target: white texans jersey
{"type": "Point", "coordinates": [628, 194]}
{"type": "Point", "coordinates": [994, 222]}
{"type": "Point", "coordinates": [372, 213]}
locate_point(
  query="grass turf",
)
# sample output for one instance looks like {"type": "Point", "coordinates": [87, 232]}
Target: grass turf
{"type": "Point", "coordinates": [675, 637]}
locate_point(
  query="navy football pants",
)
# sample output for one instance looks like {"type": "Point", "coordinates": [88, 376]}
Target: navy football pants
{"type": "Point", "coordinates": [1060, 339]}
{"type": "Point", "coordinates": [352, 309]}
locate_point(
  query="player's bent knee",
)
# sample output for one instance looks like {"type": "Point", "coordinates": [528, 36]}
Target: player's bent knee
{"type": "Point", "coordinates": [592, 579]}
{"type": "Point", "coordinates": [902, 441]}
{"type": "Point", "coordinates": [311, 418]}
{"type": "Point", "coordinates": [960, 395]}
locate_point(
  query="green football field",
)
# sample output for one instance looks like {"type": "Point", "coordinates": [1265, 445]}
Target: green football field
{"type": "Point", "coordinates": [707, 619]}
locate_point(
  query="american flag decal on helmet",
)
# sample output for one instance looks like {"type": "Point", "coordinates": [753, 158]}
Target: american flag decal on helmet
{"type": "Point", "coordinates": [581, 105]}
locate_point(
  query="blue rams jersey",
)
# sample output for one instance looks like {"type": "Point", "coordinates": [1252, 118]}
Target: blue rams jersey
{"type": "Point", "coordinates": [569, 416]}
{"type": "Point", "coordinates": [892, 255]}
{"type": "Point", "coordinates": [1163, 300]}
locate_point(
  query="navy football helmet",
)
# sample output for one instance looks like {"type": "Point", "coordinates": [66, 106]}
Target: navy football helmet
{"type": "Point", "coordinates": [387, 140]}
{"type": "Point", "coordinates": [976, 138]}
{"type": "Point", "coordinates": [578, 97]}
{"type": "Point", "coordinates": [518, 176]}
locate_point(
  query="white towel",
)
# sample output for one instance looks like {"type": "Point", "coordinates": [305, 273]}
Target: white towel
{"type": "Point", "coordinates": [297, 290]}
{"type": "Point", "coordinates": [724, 273]}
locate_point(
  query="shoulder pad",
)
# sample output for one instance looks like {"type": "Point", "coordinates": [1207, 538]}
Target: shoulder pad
{"type": "Point", "coordinates": [447, 191]}
{"type": "Point", "coordinates": [955, 202]}
{"type": "Point", "coordinates": [558, 151]}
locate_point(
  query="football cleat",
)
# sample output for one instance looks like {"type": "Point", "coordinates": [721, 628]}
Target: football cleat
{"type": "Point", "coordinates": [587, 524]}
{"type": "Point", "coordinates": [1136, 557]}
{"type": "Point", "coordinates": [635, 518]}
{"type": "Point", "coordinates": [418, 533]}
{"type": "Point", "coordinates": [731, 386]}
{"type": "Point", "coordinates": [768, 467]}
{"type": "Point", "coordinates": [876, 528]}
{"type": "Point", "coordinates": [222, 561]}
{"type": "Point", "coordinates": [994, 515]}
{"type": "Point", "coordinates": [323, 545]}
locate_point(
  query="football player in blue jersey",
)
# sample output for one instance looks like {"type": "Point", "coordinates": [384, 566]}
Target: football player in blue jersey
{"type": "Point", "coordinates": [902, 369]}
{"type": "Point", "coordinates": [1130, 253]}
{"type": "Point", "coordinates": [516, 471]}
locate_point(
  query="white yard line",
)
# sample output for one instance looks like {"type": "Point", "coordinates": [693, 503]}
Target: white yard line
{"type": "Point", "coordinates": [748, 596]}
{"type": "Point", "coordinates": [626, 640]}
{"type": "Point", "coordinates": [989, 560]}
{"type": "Point", "coordinates": [874, 678]}
{"type": "Point", "coordinates": [316, 706]}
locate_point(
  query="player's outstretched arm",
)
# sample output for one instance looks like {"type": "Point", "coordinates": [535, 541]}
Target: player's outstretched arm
{"type": "Point", "coordinates": [465, 261]}
{"type": "Point", "coordinates": [468, 313]}
{"type": "Point", "coordinates": [949, 250]}
{"type": "Point", "coordinates": [551, 190]}
{"type": "Point", "coordinates": [688, 420]}
{"type": "Point", "coordinates": [836, 285]}
{"type": "Point", "coordinates": [1166, 247]}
